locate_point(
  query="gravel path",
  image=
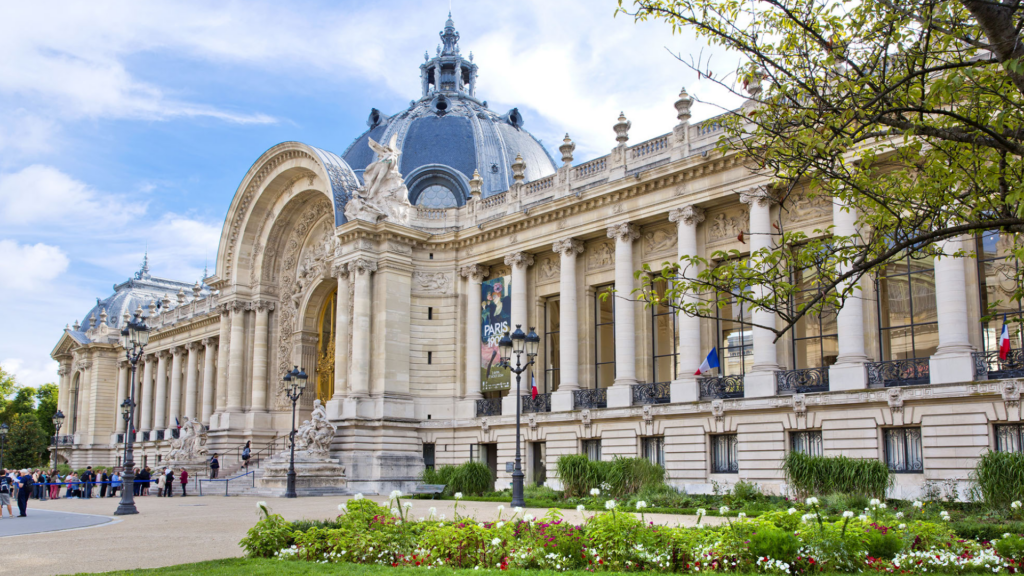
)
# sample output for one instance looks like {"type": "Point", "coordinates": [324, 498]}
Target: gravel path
{"type": "Point", "coordinates": [170, 531]}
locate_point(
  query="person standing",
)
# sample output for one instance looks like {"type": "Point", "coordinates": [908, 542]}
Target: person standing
{"type": "Point", "coordinates": [168, 482]}
{"type": "Point", "coordinates": [88, 478]}
{"type": "Point", "coordinates": [147, 476]}
{"type": "Point", "coordinates": [104, 480]}
{"type": "Point", "coordinates": [214, 466]}
{"type": "Point", "coordinates": [184, 481]}
{"type": "Point", "coordinates": [24, 491]}
{"type": "Point", "coordinates": [5, 494]}
{"type": "Point", "coordinates": [161, 480]}
{"type": "Point", "coordinates": [54, 484]}
{"type": "Point", "coordinates": [115, 483]}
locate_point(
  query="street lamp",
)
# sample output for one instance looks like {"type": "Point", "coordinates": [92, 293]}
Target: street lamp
{"type": "Point", "coordinates": [134, 338]}
{"type": "Point", "coordinates": [4, 429]}
{"type": "Point", "coordinates": [58, 421]}
{"type": "Point", "coordinates": [294, 383]}
{"type": "Point", "coordinates": [516, 344]}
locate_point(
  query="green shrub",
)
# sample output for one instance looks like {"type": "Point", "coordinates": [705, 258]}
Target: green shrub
{"type": "Point", "coordinates": [629, 475]}
{"type": "Point", "coordinates": [1000, 478]}
{"type": "Point", "coordinates": [838, 502]}
{"type": "Point", "coordinates": [822, 475]}
{"type": "Point", "coordinates": [883, 544]}
{"type": "Point", "coordinates": [746, 492]}
{"type": "Point", "coordinates": [1011, 548]}
{"type": "Point", "coordinates": [986, 531]}
{"type": "Point", "coordinates": [774, 543]}
{"type": "Point", "coordinates": [470, 478]}
{"type": "Point", "coordinates": [269, 535]}
{"type": "Point", "coordinates": [578, 474]}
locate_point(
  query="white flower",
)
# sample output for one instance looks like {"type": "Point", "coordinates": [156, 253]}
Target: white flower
{"type": "Point", "coordinates": [1007, 535]}
{"type": "Point", "coordinates": [723, 510]}
{"type": "Point", "coordinates": [261, 504]}
{"type": "Point", "coordinates": [918, 504]}
{"type": "Point", "coordinates": [396, 494]}
{"type": "Point", "coordinates": [499, 525]}
{"type": "Point", "coordinates": [518, 510]}
{"type": "Point", "coordinates": [847, 514]}
{"type": "Point", "coordinates": [1015, 505]}
{"type": "Point", "coordinates": [943, 513]}
{"type": "Point", "coordinates": [342, 508]}
{"type": "Point", "coordinates": [946, 518]}
{"type": "Point", "coordinates": [874, 502]}
{"type": "Point", "coordinates": [741, 515]}
{"type": "Point", "coordinates": [458, 495]}
{"type": "Point", "coordinates": [609, 504]}
{"type": "Point", "coordinates": [407, 505]}
{"type": "Point", "coordinates": [807, 517]}
{"type": "Point", "coordinates": [863, 517]}
{"type": "Point", "coordinates": [882, 506]}
{"type": "Point", "coordinates": [595, 491]}
{"type": "Point", "coordinates": [812, 501]}
{"type": "Point", "coordinates": [358, 496]}
{"type": "Point", "coordinates": [899, 515]}
{"type": "Point", "coordinates": [641, 505]}
{"type": "Point", "coordinates": [501, 508]}
{"type": "Point", "coordinates": [528, 518]}
{"type": "Point", "coordinates": [441, 517]}
{"type": "Point", "coordinates": [581, 508]}
{"type": "Point", "coordinates": [701, 511]}
{"type": "Point", "coordinates": [422, 519]}
{"type": "Point", "coordinates": [791, 511]}
{"type": "Point", "coordinates": [496, 542]}
{"type": "Point", "coordinates": [394, 511]}
{"type": "Point", "coordinates": [431, 512]}
{"type": "Point", "coordinates": [902, 526]}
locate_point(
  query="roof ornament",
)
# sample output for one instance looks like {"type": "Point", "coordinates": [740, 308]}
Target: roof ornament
{"type": "Point", "coordinates": [450, 37]}
{"type": "Point", "coordinates": [143, 273]}
{"type": "Point", "coordinates": [426, 55]}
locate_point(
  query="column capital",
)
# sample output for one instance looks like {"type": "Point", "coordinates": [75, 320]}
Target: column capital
{"type": "Point", "coordinates": [340, 271]}
{"type": "Point", "coordinates": [362, 266]}
{"type": "Point", "coordinates": [519, 260]}
{"type": "Point", "coordinates": [62, 371]}
{"type": "Point", "coordinates": [194, 345]}
{"type": "Point", "coordinates": [210, 341]}
{"type": "Point", "coordinates": [568, 247]}
{"type": "Point", "coordinates": [161, 354]}
{"type": "Point", "coordinates": [241, 306]}
{"type": "Point", "coordinates": [263, 305]}
{"type": "Point", "coordinates": [761, 195]}
{"type": "Point", "coordinates": [624, 232]}
{"type": "Point", "coordinates": [224, 310]}
{"type": "Point", "coordinates": [475, 272]}
{"type": "Point", "coordinates": [688, 215]}
{"type": "Point", "coordinates": [177, 350]}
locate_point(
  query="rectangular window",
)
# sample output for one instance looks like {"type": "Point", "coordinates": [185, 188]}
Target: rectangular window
{"type": "Point", "coordinates": [663, 335]}
{"type": "Point", "coordinates": [735, 336]}
{"type": "Point", "coordinates": [806, 442]}
{"type": "Point", "coordinates": [724, 454]}
{"type": "Point", "coordinates": [430, 357]}
{"type": "Point", "coordinates": [592, 449]}
{"type": "Point", "coordinates": [604, 328]}
{"type": "Point", "coordinates": [654, 449]}
{"type": "Point", "coordinates": [553, 352]}
{"type": "Point", "coordinates": [428, 456]}
{"type": "Point", "coordinates": [1009, 438]}
{"type": "Point", "coordinates": [815, 337]}
{"type": "Point", "coordinates": [430, 312]}
{"type": "Point", "coordinates": [908, 319]}
{"type": "Point", "coordinates": [903, 450]}
{"type": "Point", "coordinates": [997, 276]}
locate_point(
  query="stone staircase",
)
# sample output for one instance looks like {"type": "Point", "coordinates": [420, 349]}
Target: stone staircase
{"type": "Point", "coordinates": [235, 483]}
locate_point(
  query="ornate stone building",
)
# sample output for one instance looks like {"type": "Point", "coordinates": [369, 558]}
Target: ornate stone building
{"type": "Point", "coordinates": [395, 315]}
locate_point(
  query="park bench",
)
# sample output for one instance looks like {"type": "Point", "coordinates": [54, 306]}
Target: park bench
{"type": "Point", "coordinates": [432, 489]}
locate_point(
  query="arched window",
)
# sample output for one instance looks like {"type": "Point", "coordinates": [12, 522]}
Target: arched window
{"type": "Point", "coordinates": [437, 186]}
{"type": "Point", "coordinates": [74, 404]}
{"type": "Point", "coordinates": [437, 196]}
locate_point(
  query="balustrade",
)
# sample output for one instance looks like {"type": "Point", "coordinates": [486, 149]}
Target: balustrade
{"type": "Point", "coordinates": [906, 372]}
{"type": "Point", "coordinates": [488, 407]}
{"type": "Point", "coordinates": [988, 365]}
{"type": "Point", "coordinates": [655, 393]}
{"type": "Point", "coordinates": [721, 387]}
{"type": "Point", "coordinates": [590, 398]}
{"type": "Point", "coordinates": [801, 381]}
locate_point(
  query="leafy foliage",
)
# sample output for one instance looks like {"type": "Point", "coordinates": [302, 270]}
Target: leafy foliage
{"type": "Point", "coordinates": [836, 474]}
{"type": "Point", "coordinates": [270, 534]}
{"type": "Point", "coordinates": [578, 474]}
{"type": "Point", "coordinates": [469, 478]}
{"type": "Point", "coordinates": [1000, 477]}
{"type": "Point", "coordinates": [26, 443]}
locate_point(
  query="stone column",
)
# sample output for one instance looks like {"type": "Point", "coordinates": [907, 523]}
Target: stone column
{"type": "Point", "coordinates": [175, 404]}
{"type": "Point", "coordinates": [568, 319]}
{"type": "Point", "coordinates": [222, 359]}
{"type": "Point", "coordinates": [208, 379]}
{"type": "Point", "coordinates": [122, 393]}
{"type": "Point", "coordinates": [160, 392]}
{"type": "Point", "coordinates": [341, 332]}
{"type": "Point", "coordinates": [952, 362]}
{"type": "Point", "coordinates": [625, 314]}
{"type": "Point", "coordinates": [474, 276]}
{"type": "Point", "coordinates": [192, 380]}
{"type": "Point", "coordinates": [259, 356]}
{"type": "Point", "coordinates": [236, 356]}
{"type": "Point", "coordinates": [519, 262]}
{"type": "Point", "coordinates": [63, 388]}
{"type": "Point", "coordinates": [760, 381]}
{"type": "Point", "coordinates": [848, 373]}
{"type": "Point", "coordinates": [361, 269]}
{"type": "Point", "coordinates": [146, 402]}
{"type": "Point", "coordinates": [690, 350]}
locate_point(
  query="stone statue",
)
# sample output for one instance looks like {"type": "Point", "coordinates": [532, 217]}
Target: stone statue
{"type": "Point", "coordinates": [316, 434]}
{"type": "Point", "coordinates": [190, 444]}
{"type": "Point", "coordinates": [383, 194]}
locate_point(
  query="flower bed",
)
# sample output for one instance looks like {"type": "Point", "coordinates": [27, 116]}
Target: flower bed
{"type": "Point", "coordinates": [793, 541]}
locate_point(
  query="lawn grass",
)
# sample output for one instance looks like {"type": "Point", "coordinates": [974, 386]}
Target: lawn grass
{"type": "Point", "coordinates": [252, 567]}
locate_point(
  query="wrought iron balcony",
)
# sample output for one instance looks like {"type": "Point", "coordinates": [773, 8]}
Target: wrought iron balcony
{"type": "Point", "coordinates": [656, 393]}
{"type": "Point", "coordinates": [542, 403]}
{"type": "Point", "coordinates": [488, 407]}
{"type": "Point", "coordinates": [590, 398]}
{"type": "Point", "coordinates": [988, 366]}
{"type": "Point", "coordinates": [721, 387]}
{"type": "Point", "coordinates": [801, 381]}
{"type": "Point", "coordinates": [908, 372]}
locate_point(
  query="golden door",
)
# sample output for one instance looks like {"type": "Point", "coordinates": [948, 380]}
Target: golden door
{"type": "Point", "coordinates": [325, 353]}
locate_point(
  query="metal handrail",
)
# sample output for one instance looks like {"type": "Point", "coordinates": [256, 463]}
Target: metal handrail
{"type": "Point", "coordinates": [259, 455]}
{"type": "Point", "coordinates": [226, 480]}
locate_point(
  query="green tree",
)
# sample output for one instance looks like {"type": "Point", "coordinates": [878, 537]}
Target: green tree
{"type": "Point", "coordinates": [7, 386]}
{"type": "Point", "coordinates": [46, 407]}
{"type": "Point", "coordinates": [24, 402]}
{"type": "Point", "coordinates": [908, 114]}
{"type": "Point", "coordinates": [26, 442]}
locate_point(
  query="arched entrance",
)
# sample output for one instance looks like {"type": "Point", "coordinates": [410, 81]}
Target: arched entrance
{"type": "Point", "coordinates": [325, 348]}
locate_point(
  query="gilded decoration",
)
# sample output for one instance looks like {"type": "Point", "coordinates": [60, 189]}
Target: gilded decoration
{"type": "Point", "coordinates": [325, 348]}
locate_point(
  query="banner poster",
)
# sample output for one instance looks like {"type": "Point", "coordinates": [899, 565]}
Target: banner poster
{"type": "Point", "coordinates": [495, 319]}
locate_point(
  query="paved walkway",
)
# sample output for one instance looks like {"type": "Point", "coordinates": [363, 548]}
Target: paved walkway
{"type": "Point", "coordinates": [48, 521]}
{"type": "Point", "coordinates": [177, 530]}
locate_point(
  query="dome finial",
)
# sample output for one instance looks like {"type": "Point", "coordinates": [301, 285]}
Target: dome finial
{"type": "Point", "coordinates": [450, 38]}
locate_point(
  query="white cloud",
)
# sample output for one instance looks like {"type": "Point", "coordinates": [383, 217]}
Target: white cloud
{"type": "Point", "coordinates": [43, 195]}
{"type": "Point", "coordinates": [26, 267]}
{"type": "Point", "coordinates": [34, 374]}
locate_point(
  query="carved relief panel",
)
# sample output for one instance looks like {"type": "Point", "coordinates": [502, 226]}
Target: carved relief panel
{"type": "Point", "coordinates": [725, 225]}
{"type": "Point", "coordinates": [549, 269]}
{"type": "Point", "coordinates": [660, 241]}
{"type": "Point", "coordinates": [800, 208]}
{"type": "Point", "coordinates": [601, 255]}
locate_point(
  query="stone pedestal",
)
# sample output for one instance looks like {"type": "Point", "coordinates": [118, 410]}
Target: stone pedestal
{"type": "Point", "coordinates": [684, 390]}
{"type": "Point", "coordinates": [620, 396]}
{"type": "Point", "coordinates": [759, 384]}
{"type": "Point", "coordinates": [314, 476]}
{"type": "Point", "coordinates": [561, 401]}
{"type": "Point", "coordinates": [842, 377]}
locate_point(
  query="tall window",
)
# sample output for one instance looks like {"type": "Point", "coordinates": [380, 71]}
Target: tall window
{"type": "Point", "coordinates": [908, 319]}
{"type": "Point", "coordinates": [736, 338]}
{"type": "Point", "coordinates": [1009, 438]}
{"type": "Point", "coordinates": [552, 327]}
{"type": "Point", "coordinates": [428, 456]}
{"type": "Point", "coordinates": [903, 449]}
{"type": "Point", "coordinates": [74, 405]}
{"type": "Point", "coordinates": [725, 458]}
{"type": "Point", "coordinates": [997, 278]}
{"type": "Point", "coordinates": [592, 449]}
{"type": "Point", "coordinates": [325, 356]}
{"type": "Point", "coordinates": [663, 333]}
{"type": "Point", "coordinates": [654, 449]}
{"type": "Point", "coordinates": [604, 328]}
{"type": "Point", "coordinates": [815, 337]}
{"type": "Point", "coordinates": [806, 442]}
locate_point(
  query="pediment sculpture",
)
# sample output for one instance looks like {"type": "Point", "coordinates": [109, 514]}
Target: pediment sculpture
{"type": "Point", "coordinates": [383, 195]}
{"type": "Point", "coordinates": [190, 445]}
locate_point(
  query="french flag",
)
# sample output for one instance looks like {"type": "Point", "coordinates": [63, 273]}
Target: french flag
{"type": "Point", "coordinates": [533, 381]}
{"type": "Point", "coordinates": [1004, 341]}
{"type": "Point", "coordinates": [710, 362]}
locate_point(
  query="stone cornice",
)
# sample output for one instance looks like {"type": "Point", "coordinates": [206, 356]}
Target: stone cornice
{"type": "Point", "coordinates": [203, 322]}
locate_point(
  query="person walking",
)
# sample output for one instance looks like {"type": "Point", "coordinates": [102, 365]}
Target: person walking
{"type": "Point", "coordinates": [168, 482]}
{"type": "Point", "coordinates": [24, 491]}
{"type": "Point", "coordinates": [214, 466]}
{"type": "Point", "coordinates": [5, 494]}
{"type": "Point", "coordinates": [246, 454]}
{"type": "Point", "coordinates": [184, 481]}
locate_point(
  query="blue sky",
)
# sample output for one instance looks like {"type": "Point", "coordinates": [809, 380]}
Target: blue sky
{"type": "Point", "coordinates": [129, 125]}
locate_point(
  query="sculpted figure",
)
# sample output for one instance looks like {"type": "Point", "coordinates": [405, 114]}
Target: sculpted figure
{"type": "Point", "coordinates": [316, 434]}
{"type": "Point", "coordinates": [383, 194]}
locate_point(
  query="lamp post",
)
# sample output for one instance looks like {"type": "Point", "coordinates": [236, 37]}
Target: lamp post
{"type": "Point", "coordinates": [515, 344]}
{"type": "Point", "coordinates": [134, 338]}
{"type": "Point", "coordinates": [294, 383]}
{"type": "Point", "coordinates": [58, 421]}
{"type": "Point", "coordinates": [4, 429]}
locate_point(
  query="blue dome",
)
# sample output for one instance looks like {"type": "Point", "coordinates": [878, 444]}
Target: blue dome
{"type": "Point", "coordinates": [448, 133]}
